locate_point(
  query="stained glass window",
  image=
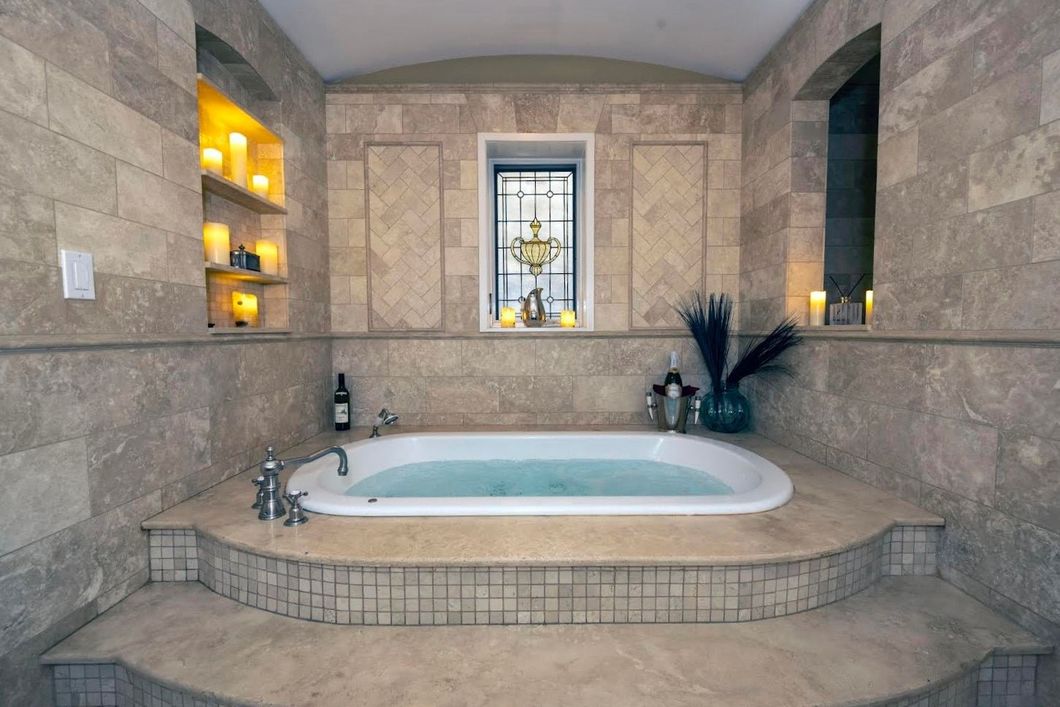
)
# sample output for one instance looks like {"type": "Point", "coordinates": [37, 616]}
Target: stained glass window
{"type": "Point", "coordinates": [522, 193]}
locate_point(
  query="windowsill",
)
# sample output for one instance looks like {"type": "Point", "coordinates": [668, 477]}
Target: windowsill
{"type": "Point", "coordinates": [551, 329]}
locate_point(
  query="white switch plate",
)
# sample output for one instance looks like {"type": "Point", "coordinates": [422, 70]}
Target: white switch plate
{"type": "Point", "coordinates": [79, 282]}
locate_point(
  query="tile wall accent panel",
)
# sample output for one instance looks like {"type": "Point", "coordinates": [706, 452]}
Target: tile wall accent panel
{"type": "Point", "coordinates": [667, 230]}
{"type": "Point", "coordinates": [406, 271]}
{"type": "Point", "coordinates": [448, 595]}
{"type": "Point", "coordinates": [999, 681]}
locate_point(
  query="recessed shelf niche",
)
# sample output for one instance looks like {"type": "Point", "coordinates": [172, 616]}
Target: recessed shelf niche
{"type": "Point", "coordinates": [252, 215]}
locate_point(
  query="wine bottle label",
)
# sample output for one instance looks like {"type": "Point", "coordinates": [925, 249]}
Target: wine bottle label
{"type": "Point", "coordinates": [673, 390]}
{"type": "Point", "coordinates": [342, 412]}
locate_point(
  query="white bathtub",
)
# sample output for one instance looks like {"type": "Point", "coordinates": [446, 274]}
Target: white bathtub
{"type": "Point", "coordinates": [757, 485]}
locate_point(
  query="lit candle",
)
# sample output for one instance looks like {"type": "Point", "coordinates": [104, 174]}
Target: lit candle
{"type": "Point", "coordinates": [237, 157]}
{"type": "Point", "coordinates": [817, 303]}
{"type": "Point", "coordinates": [212, 160]}
{"type": "Point", "coordinates": [216, 242]}
{"type": "Point", "coordinates": [507, 317]}
{"type": "Point", "coordinates": [567, 319]}
{"type": "Point", "coordinates": [244, 308]}
{"type": "Point", "coordinates": [270, 257]}
{"type": "Point", "coordinates": [868, 306]}
{"type": "Point", "coordinates": [259, 184]}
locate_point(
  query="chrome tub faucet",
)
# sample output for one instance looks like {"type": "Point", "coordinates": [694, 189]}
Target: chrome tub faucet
{"type": "Point", "coordinates": [270, 500]}
{"type": "Point", "coordinates": [385, 417]}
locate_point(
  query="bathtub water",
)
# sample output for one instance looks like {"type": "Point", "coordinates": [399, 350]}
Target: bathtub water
{"type": "Point", "coordinates": [543, 473]}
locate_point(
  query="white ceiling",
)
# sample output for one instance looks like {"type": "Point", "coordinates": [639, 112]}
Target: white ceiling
{"type": "Point", "coordinates": [723, 38]}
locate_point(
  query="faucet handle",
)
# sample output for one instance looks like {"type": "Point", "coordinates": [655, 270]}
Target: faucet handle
{"type": "Point", "coordinates": [259, 482]}
{"type": "Point", "coordinates": [271, 465]}
{"type": "Point", "coordinates": [295, 516]}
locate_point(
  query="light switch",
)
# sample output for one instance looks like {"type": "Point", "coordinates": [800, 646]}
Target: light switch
{"type": "Point", "coordinates": [78, 280]}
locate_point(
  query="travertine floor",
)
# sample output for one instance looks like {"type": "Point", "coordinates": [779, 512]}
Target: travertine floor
{"type": "Point", "coordinates": [900, 635]}
{"type": "Point", "coordinates": [830, 512]}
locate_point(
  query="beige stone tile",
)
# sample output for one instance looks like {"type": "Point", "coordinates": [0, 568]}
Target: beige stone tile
{"type": "Point", "coordinates": [1027, 483]}
{"type": "Point", "coordinates": [359, 289]}
{"type": "Point", "coordinates": [931, 303]}
{"type": "Point", "coordinates": [1024, 166]}
{"type": "Point", "coordinates": [1050, 110]}
{"type": "Point", "coordinates": [474, 395]}
{"type": "Point", "coordinates": [349, 317]}
{"type": "Point", "coordinates": [608, 393]}
{"type": "Point", "coordinates": [178, 16]}
{"type": "Point", "coordinates": [1002, 235]}
{"type": "Point", "coordinates": [580, 113]}
{"type": "Point", "coordinates": [335, 119]}
{"type": "Point", "coordinates": [935, 88]}
{"type": "Point", "coordinates": [1001, 111]}
{"type": "Point", "coordinates": [376, 119]}
{"type": "Point", "coordinates": [806, 244]}
{"type": "Point", "coordinates": [897, 159]}
{"type": "Point", "coordinates": [362, 357]}
{"type": "Point", "coordinates": [723, 203]}
{"type": "Point", "coordinates": [336, 174]}
{"type": "Point", "coordinates": [497, 357]}
{"type": "Point", "coordinates": [807, 210]}
{"type": "Point", "coordinates": [346, 203]}
{"type": "Point", "coordinates": [997, 299]}
{"type": "Point", "coordinates": [426, 118]}
{"type": "Point", "coordinates": [535, 394]}
{"type": "Point", "coordinates": [180, 161]}
{"type": "Point", "coordinates": [492, 112]}
{"type": "Point", "coordinates": [119, 247]}
{"type": "Point", "coordinates": [461, 203]}
{"type": "Point", "coordinates": [340, 290]}
{"type": "Point", "coordinates": [83, 113]}
{"type": "Point", "coordinates": [40, 161]}
{"type": "Point", "coordinates": [27, 227]}
{"type": "Point", "coordinates": [22, 83]}
{"type": "Point", "coordinates": [611, 317]}
{"type": "Point", "coordinates": [184, 257]}
{"type": "Point", "coordinates": [722, 260]}
{"type": "Point", "coordinates": [155, 201]}
{"type": "Point", "coordinates": [424, 357]}
{"type": "Point", "coordinates": [52, 476]}
{"type": "Point", "coordinates": [461, 261]}
{"type": "Point", "coordinates": [176, 58]}
{"type": "Point", "coordinates": [928, 197]}
{"type": "Point", "coordinates": [1046, 240]}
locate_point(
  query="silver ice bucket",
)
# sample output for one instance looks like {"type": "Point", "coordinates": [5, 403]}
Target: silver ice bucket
{"type": "Point", "coordinates": [671, 414]}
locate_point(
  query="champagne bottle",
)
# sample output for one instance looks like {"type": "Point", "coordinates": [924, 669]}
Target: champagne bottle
{"type": "Point", "coordinates": [672, 384]}
{"type": "Point", "coordinates": [342, 405]}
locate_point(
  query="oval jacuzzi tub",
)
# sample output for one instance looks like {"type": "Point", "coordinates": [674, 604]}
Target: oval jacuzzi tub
{"type": "Point", "coordinates": [543, 473]}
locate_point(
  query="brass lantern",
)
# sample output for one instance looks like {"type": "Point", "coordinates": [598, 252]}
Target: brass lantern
{"type": "Point", "coordinates": [535, 253]}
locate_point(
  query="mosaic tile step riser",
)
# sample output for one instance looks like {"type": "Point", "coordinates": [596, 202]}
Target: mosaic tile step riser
{"type": "Point", "coordinates": [999, 681]}
{"type": "Point", "coordinates": [537, 595]}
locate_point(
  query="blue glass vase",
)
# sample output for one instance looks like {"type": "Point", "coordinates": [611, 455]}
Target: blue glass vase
{"type": "Point", "coordinates": [728, 412]}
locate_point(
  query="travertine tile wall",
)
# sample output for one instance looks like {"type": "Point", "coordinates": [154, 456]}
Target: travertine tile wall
{"type": "Point", "coordinates": [98, 137]}
{"type": "Point", "coordinates": [966, 235]}
{"type": "Point", "coordinates": [703, 118]}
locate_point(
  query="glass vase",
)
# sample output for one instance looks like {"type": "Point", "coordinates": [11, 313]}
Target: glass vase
{"type": "Point", "coordinates": [728, 412]}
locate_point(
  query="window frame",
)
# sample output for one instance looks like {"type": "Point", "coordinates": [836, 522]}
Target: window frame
{"type": "Point", "coordinates": [550, 150]}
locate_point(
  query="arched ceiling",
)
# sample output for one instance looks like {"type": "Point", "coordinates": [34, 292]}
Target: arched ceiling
{"type": "Point", "coordinates": [347, 38]}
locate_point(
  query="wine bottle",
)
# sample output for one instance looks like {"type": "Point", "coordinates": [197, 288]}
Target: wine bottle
{"type": "Point", "coordinates": [342, 405]}
{"type": "Point", "coordinates": [672, 385]}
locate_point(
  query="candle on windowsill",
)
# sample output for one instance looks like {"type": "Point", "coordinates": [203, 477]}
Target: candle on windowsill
{"type": "Point", "coordinates": [215, 242]}
{"type": "Point", "coordinates": [507, 317]}
{"type": "Point", "coordinates": [213, 161]}
{"type": "Point", "coordinates": [270, 257]}
{"type": "Point", "coordinates": [567, 319]}
{"type": "Point", "coordinates": [237, 158]}
{"type": "Point", "coordinates": [244, 308]}
{"type": "Point", "coordinates": [259, 184]}
{"type": "Point", "coordinates": [817, 304]}
{"type": "Point", "coordinates": [868, 307]}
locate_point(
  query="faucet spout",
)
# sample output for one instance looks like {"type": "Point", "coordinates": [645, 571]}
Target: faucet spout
{"type": "Point", "coordinates": [344, 462]}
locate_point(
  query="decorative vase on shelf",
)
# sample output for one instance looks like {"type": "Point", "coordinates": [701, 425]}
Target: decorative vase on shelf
{"type": "Point", "coordinates": [728, 412]}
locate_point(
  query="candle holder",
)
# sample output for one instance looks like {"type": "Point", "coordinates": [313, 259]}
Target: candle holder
{"type": "Point", "coordinates": [507, 318]}
{"type": "Point", "coordinates": [568, 319]}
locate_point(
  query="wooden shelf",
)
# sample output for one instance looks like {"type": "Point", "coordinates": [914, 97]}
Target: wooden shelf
{"type": "Point", "coordinates": [246, 330]}
{"type": "Point", "coordinates": [239, 195]}
{"type": "Point", "coordinates": [245, 275]}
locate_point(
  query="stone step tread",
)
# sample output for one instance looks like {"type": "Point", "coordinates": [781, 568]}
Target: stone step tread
{"type": "Point", "coordinates": [899, 636]}
{"type": "Point", "coordinates": [829, 513]}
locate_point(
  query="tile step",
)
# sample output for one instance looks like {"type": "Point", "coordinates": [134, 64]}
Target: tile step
{"type": "Point", "coordinates": [904, 638]}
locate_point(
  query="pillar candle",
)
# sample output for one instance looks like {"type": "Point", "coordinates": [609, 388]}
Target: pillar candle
{"type": "Point", "coordinates": [237, 158]}
{"type": "Point", "coordinates": [817, 303]}
{"type": "Point", "coordinates": [215, 241]}
{"type": "Point", "coordinates": [259, 184]}
{"type": "Point", "coordinates": [270, 257]}
{"type": "Point", "coordinates": [212, 161]}
{"type": "Point", "coordinates": [567, 319]}
{"type": "Point", "coordinates": [507, 317]}
{"type": "Point", "coordinates": [868, 307]}
{"type": "Point", "coordinates": [244, 308]}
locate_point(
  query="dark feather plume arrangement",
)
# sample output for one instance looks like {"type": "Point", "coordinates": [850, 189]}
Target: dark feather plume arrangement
{"type": "Point", "coordinates": [710, 323]}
